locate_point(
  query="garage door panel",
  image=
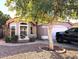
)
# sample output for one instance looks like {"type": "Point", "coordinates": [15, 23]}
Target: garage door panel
{"type": "Point", "coordinates": [58, 28]}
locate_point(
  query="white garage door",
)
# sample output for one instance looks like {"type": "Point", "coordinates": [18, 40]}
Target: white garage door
{"type": "Point", "coordinates": [58, 28]}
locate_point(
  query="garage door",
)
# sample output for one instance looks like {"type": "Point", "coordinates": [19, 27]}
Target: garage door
{"type": "Point", "coordinates": [58, 28]}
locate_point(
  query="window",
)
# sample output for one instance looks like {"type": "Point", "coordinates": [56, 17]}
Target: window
{"type": "Point", "coordinates": [31, 30]}
{"type": "Point", "coordinates": [12, 30]}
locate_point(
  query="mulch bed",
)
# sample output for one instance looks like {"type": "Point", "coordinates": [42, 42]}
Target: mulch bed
{"type": "Point", "coordinates": [56, 48]}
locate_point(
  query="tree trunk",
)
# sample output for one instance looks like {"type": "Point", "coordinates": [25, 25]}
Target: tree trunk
{"type": "Point", "coordinates": [51, 46]}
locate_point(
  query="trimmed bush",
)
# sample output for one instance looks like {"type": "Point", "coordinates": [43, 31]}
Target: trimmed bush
{"type": "Point", "coordinates": [32, 39]}
{"type": "Point", "coordinates": [14, 38]}
{"type": "Point", "coordinates": [8, 39]}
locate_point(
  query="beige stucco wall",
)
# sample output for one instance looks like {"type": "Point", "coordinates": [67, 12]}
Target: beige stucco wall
{"type": "Point", "coordinates": [42, 29]}
{"type": "Point", "coordinates": [33, 30]}
{"type": "Point", "coordinates": [17, 29]}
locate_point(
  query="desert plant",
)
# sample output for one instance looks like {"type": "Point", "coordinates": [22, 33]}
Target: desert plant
{"type": "Point", "coordinates": [14, 38]}
{"type": "Point", "coordinates": [11, 39]}
{"type": "Point", "coordinates": [32, 39]}
{"type": "Point", "coordinates": [7, 39]}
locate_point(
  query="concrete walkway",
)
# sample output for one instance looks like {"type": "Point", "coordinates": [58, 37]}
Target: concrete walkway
{"type": "Point", "coordinates": [64, 45]}
{"type": "Point", "coordinates": [2, 42]}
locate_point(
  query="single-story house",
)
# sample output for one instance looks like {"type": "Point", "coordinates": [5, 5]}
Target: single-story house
{"type": "Point", "coordinates": [23, 30]}
{"type": "Point", "coordinates": [26, 30]}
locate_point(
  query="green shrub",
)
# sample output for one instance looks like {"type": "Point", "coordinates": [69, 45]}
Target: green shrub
{"type": "Point", "coordinates": [14, 38]}
{"type": "Point", "coordinates": [8, 39]}
{"type": "Point", "coordinates": [32, 39]}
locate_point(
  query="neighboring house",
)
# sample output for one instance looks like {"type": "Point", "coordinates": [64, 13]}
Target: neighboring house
{"type": "Point", "coordinates": [24, 30]}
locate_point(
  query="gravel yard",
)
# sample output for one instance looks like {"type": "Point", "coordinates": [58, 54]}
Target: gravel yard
{"type": "Point", "coordinates": [35, 55]}
{"type": "Point", "coordinates": [70, 54]}
{"type": "Point", "coordinates": [12, 50]}
{"type": "Point", "coordinates": [43, 55]}
{"type": "Point", "coordinates": [32, 51]}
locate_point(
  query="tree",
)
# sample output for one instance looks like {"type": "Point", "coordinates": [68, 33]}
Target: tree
{"type": "Point", "coordinates": [3, 18]}
{"type": "Point", "coordinates": [44, 11]}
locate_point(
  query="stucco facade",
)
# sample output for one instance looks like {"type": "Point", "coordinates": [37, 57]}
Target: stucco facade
{"type": "Point", "coordinates": [31, 30]}
{"type": "Point", "coordinates": [60, 26]}
{"type": "Point", "coordinates": [23, 30]}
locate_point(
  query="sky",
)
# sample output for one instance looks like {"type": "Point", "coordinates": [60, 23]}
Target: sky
{"type": "Point", "coordinates": [4, 9]}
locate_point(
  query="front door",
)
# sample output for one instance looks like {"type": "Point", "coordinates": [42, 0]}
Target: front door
{"type": "Point", "coordinates": [23, 32]}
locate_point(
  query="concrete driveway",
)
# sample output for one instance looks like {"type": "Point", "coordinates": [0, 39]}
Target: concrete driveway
{"type": "Point", "coordinates": [64, 45]}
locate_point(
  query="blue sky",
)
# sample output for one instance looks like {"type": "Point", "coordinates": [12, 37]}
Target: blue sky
{"type": "Point", "coordinates": [4, 9]}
